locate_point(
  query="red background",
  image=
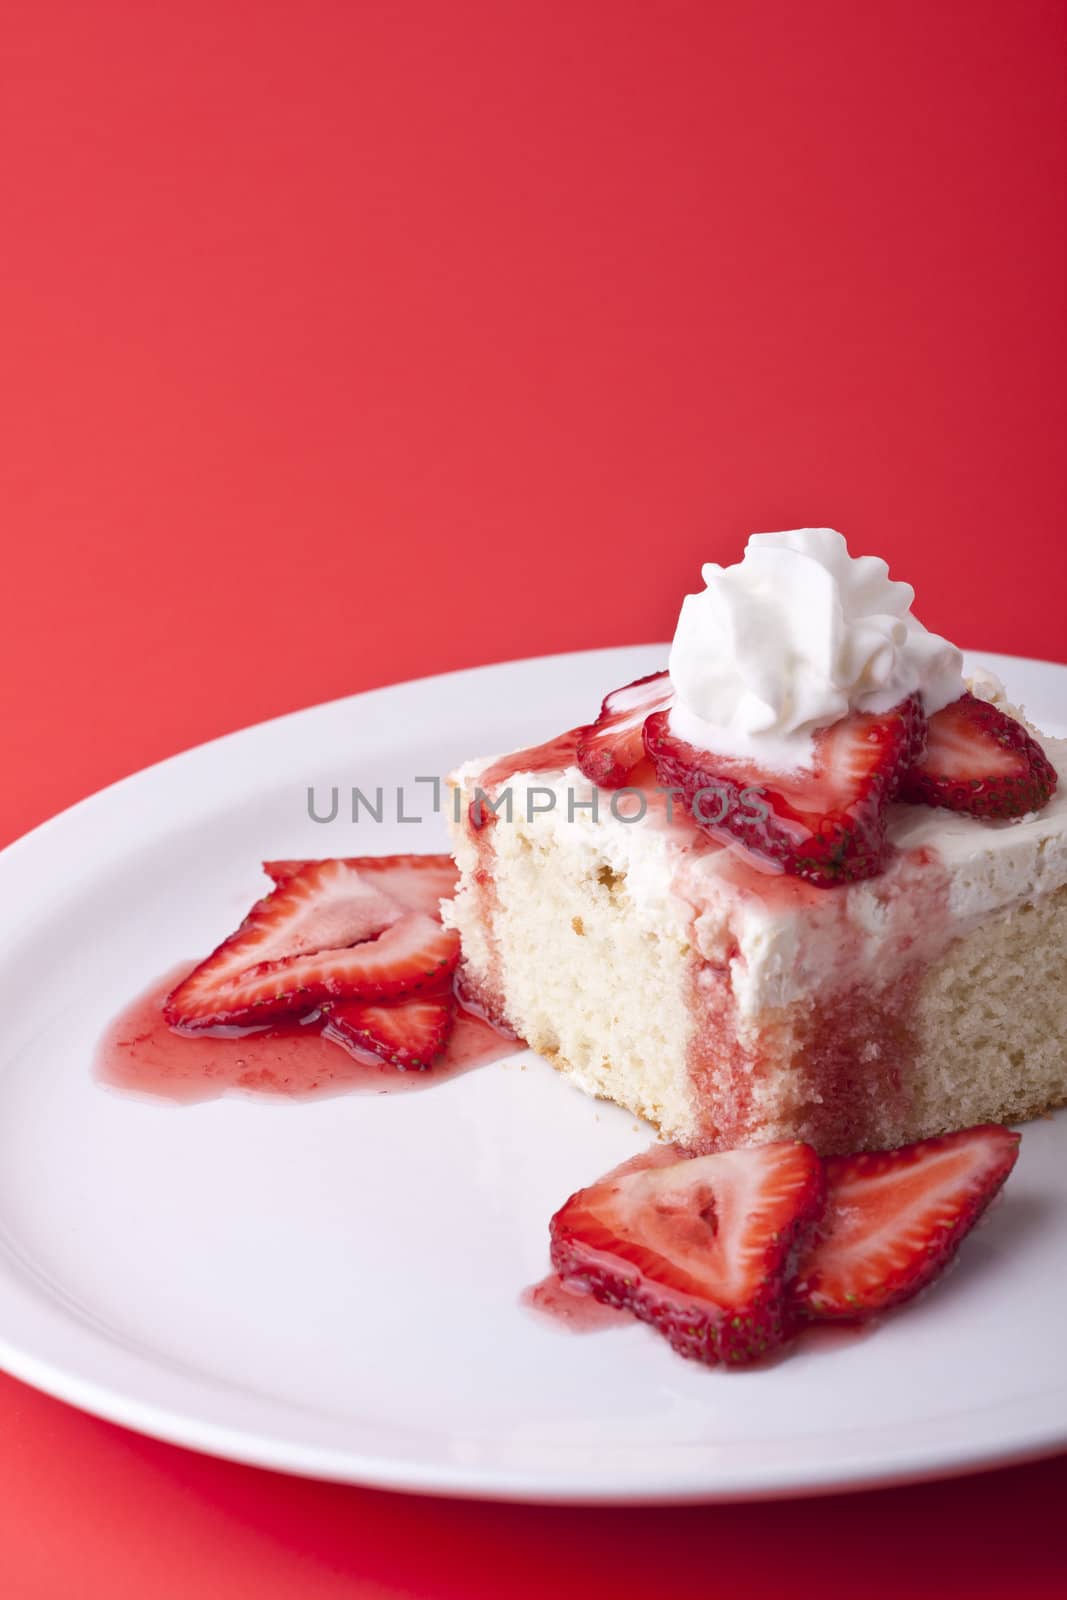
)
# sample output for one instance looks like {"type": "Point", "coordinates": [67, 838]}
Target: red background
{"type": "Point", "coordinates": [343, 343]}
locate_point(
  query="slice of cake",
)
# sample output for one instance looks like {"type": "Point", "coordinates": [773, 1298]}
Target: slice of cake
{"type": "Point", "coordinates": [717, 908]}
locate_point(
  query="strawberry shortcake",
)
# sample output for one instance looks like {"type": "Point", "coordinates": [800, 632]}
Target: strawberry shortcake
{"type": "Point", "coordinates": [807, 884]}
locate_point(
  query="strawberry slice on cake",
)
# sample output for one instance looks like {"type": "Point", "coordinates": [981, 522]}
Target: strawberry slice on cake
{"type": "Point", "coordinates": [611, 747]}
{"type": "Point", "coordinates": [825, 823]}
{"type": "Point", "coordinates": [980, 761]}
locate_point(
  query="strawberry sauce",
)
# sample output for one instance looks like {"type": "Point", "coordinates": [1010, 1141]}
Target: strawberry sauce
{"type": "Point", "coordinates": [555, 755]}
{"type": "Point", "coordinates": [574, 1311]}
{"type": "Point", "coordinates": [570, 1308]}
{"type": "Point", "coordinates": [851, 1046]}
{"type": "Point", "coordinates": [140, 1054]}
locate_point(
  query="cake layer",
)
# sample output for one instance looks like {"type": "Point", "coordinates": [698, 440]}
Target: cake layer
{"type": "Point", "coordinates": [727, 1005]}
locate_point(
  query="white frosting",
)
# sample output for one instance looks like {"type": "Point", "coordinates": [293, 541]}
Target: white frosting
{"type": "Point", "coordinates": [990, 867]}
{"type": "Point", "coordinates": [791, 639]}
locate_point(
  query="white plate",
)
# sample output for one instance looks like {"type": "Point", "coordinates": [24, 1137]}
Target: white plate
{"type": "Point", "coordinates": [332, 1287]}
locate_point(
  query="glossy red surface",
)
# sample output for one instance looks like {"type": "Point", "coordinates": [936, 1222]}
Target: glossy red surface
{"type": "Point", "coordinates": [141, 1055]}
{"type": "Point", "coordinates": [571, 1309]}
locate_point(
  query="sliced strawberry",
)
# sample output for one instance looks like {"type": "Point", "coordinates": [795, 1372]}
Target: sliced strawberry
{"type": "Point", "coordinates": [416, 883]}
{"type": "Point", "coordinates": [321, 905]}
{"type": "Point", "coordinates": [408, 1034]}
{"type": "Point", "coordinates": [826, 824]}
{"type": "Point", "coordinates": [411, 954]}
{"type": "Point", "coordinates": [279, 871]}
{"type": "Point", "coordinates": [895, 1218]}
{"type": "Point", "coordinates": [701, 1248]}
{"type": "Point", "coordinates": [612, 746]}
{"type": "Point", "coordinates": [981, 761]}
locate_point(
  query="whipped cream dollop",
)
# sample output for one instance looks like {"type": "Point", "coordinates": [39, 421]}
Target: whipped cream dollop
{"type": "Point", "coordinates": [792, 638]}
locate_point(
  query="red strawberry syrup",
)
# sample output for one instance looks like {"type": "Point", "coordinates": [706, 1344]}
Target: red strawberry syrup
{"type": "Point", "coordinates": [140, 1054]}
{"type": "Point", "coordinates": [574, 1311]}
{"type": "Point", "coordinates": [571, 1308]}
{"type": "Point", "coordinates": [555, 755]}
{"type": "Point", "coordinates": [851, 1050]}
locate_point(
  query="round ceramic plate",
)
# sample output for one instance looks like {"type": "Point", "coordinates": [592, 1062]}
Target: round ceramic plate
{"type": "Point", "coordinates": [332, 1286]}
